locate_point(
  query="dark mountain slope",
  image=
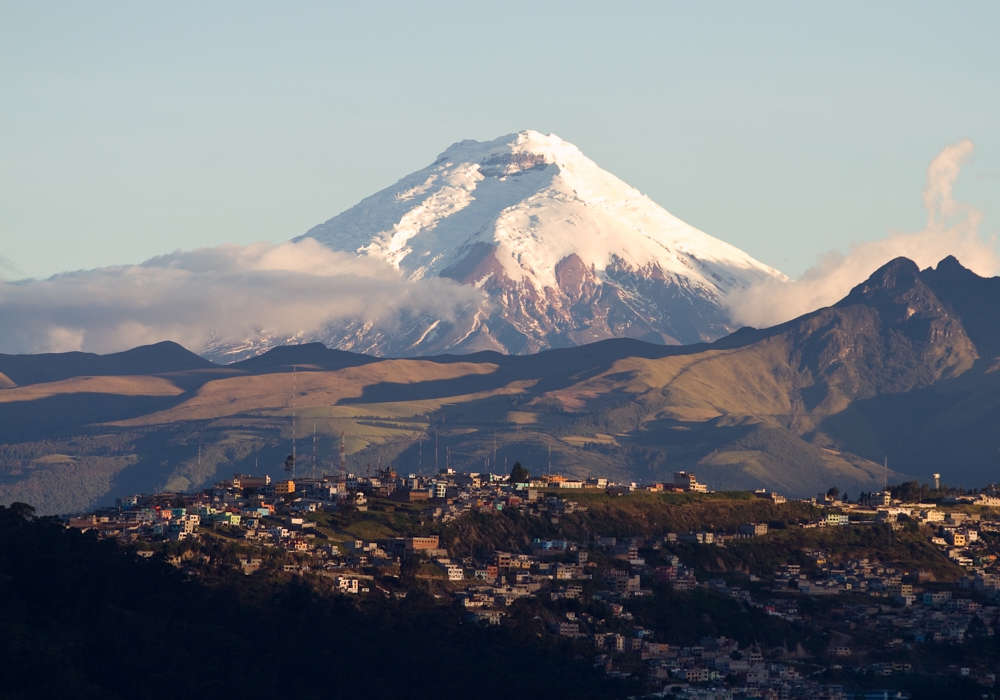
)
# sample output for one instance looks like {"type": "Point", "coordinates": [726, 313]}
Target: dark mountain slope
{"type": "Point", "coordinates": [148, 359]}
{"type": "Point", "coordinates": [309, 356]}
{"type": "Point", "coordinates": [974, 300]}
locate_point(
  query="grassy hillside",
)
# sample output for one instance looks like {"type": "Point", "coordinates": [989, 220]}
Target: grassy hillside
{"type": "Point", "coordinates": [814, 403]}
{"type": "Point", "coordinates": [484, 415]}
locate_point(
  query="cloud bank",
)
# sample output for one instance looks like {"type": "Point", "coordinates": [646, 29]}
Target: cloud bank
{"type": "Point", "coordinates": [252, 297]}
{"type": "Point", "coordinates": [213, 296]}
{"type": "Point", "coordinates": [952, 229]}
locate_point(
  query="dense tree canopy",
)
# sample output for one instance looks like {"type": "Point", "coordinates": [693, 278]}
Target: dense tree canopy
{"type": "Point", "coordinates": [518, 474]}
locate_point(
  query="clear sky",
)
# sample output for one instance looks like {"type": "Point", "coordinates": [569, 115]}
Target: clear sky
{"type": "Point", "coordinates": [133, 129]}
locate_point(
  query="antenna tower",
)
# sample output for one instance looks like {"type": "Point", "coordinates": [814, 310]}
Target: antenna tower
{"type": "Point", "coordinates": [343, 459]}
{"type": "Point", "coordinates": [550, 460]}
{"type": "Point", "coordinates": [885, 474]}
{"type": "Point", "coordinates": [290, 462]}
{"type": "Point", "coordinates": [314, 447]}
{"type": "Point", "coordinates": [436, 462]}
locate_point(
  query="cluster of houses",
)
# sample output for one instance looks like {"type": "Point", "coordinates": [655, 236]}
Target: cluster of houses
{"type": "Point", "coordinates": [251, 503]}
{"type": "Point", "coordinates": [747, 673]}
{"type": "Point", "coordinates": [957, 531]}
{"type": "Point", "coordinates": [276, 514]}
{"type": "Point", "coordinates": [912, 613]}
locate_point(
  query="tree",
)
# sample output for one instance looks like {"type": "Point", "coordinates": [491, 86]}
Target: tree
{"type": "Point", "coordinates": [519, 475]}
{"type": "Point", "coordinates": [976, 629]}
{"type": "Point", "coordinates": [833, 493]}
{"type": "Point", "coordinates": [348, 505]}
{"type": "Point", "coordinates": [23, 510]}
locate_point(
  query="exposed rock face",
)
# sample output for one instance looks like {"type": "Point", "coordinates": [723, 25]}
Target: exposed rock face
{"type": "Point", "coordinates": [892, 334]}
{"type": "Point", "coordinates": [564, 252]}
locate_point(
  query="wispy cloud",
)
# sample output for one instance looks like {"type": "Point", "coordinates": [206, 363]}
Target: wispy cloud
{"type": "Point", "coordinates": [8, 270]}
{"type": "Point", "coordinates": [230, 292]}
{"type": "Point", "coordinates": [952, 229]}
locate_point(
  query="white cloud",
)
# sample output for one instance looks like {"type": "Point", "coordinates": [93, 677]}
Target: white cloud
{"type": "Point", "coordinates": [952, 229]}
{"type": "Point", "coordinates": [213, 297]}
{"type": "Point", "coordinates": [204, 295]}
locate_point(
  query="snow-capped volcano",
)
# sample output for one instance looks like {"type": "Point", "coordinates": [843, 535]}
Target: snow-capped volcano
{"type": "Point", "coordinates": [566, 252]}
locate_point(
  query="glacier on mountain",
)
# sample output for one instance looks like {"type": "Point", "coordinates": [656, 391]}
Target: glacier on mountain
{"type": "Point", "coordinates": [566, 253]}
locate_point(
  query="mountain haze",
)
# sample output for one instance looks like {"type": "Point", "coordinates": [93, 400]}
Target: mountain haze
{"type": "Point", "coordinates": [903, 367]}
{"type": "Point", "coordinates": [565, 252]}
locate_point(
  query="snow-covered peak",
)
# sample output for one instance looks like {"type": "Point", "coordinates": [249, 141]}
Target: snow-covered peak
{"type": "Point", "coordinates": [547, 148]}
{"type": "Point", "coordinates": [535, 199]}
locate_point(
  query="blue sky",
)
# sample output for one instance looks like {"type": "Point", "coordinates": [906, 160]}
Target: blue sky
{"type": "Point", "coordinates": [133, 129]}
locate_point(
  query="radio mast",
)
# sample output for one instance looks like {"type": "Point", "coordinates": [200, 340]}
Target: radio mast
{"type": "Point", "coordinates": [290, 462]}
{"type": "Point", "coordinates": [343, 459]}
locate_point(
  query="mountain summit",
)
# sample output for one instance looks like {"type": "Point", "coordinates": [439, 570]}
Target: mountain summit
{"type": "Point", "coordinates": [566, 252]}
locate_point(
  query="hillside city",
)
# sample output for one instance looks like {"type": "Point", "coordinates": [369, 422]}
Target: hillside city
{"type": "Point", "coordinates": [873, 619]}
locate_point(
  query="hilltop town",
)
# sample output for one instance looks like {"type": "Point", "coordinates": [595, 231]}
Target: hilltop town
{"type": "Point", "coordinates": [827, 594]}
